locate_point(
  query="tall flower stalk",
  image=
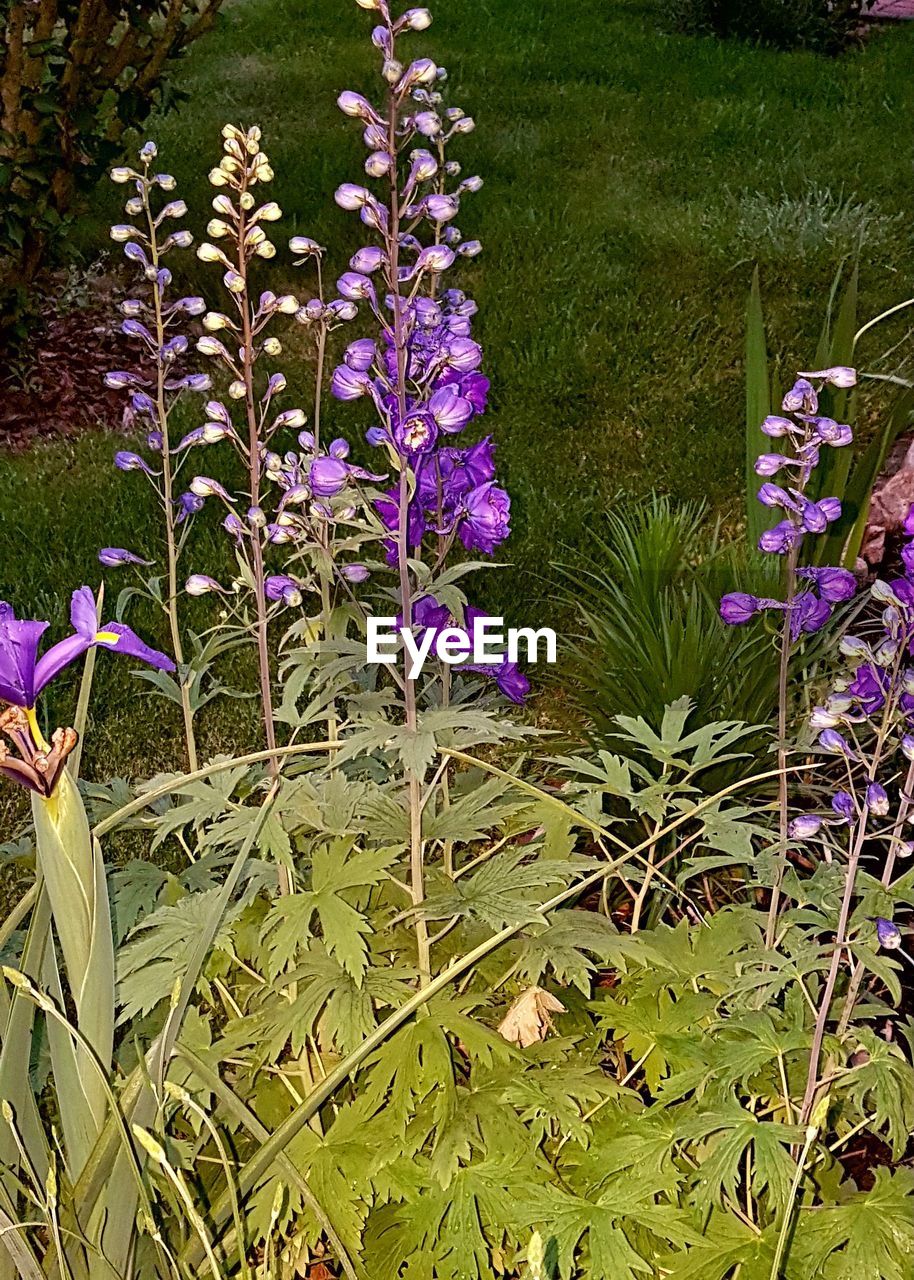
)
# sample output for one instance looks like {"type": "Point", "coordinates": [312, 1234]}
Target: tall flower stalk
{"type": "Point", "coordinates": [425, 384]}
{"type": "Point", "coordinates": [155, 387]}
{"type": "Point", "coordinates": [804, 432]}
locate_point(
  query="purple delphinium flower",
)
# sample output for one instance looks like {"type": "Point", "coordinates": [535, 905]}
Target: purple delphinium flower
{"type": "Point", "coordinates": [485, 522]}
{"type": "Point", "coordinates": [114, 557]}
{"type": "Point", "coordinates": [889, 934]}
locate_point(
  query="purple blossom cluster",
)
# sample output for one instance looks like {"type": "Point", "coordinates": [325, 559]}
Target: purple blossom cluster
{"type": "Point", "coordinates": [804, 433]}
{"type": "Point", "coordinates": [866, 717]}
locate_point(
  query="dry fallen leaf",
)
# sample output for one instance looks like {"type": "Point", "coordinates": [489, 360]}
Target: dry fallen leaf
{"type": "Point", "coordinates": [529, 1017]}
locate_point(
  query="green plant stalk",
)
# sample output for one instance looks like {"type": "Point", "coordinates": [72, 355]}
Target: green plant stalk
{"type": "Point", "coordinates": [171, 541]}
{"type": "Point", "coordinates": [811, 1134]}
{"type": "Point", "coordinates": [270, 1151]}
{"type": "Point", "coordinates": [254, 477]}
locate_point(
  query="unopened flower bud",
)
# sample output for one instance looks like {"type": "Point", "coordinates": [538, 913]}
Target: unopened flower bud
{"type": "Point", "coordinates": [804, 827]}
{"type": "Point", "coordinates": [877, 800]}
{"type": "Point", "coordinates": [200, 584]}
{"type": "Point", "coordinates": [889, 934]}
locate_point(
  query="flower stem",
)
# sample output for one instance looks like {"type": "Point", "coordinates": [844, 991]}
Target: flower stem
{"type": "Point", "coordinates": [171, 542]}
{"type": "Point", "coordinates": [783, 674]}
{"type": "Point", "coordinates": [414, 782]}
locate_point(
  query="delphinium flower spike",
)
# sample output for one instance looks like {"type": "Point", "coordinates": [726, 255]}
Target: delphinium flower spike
{"type": "Point", "coordinates": [804, 432]}
{"type": "Point", "coordinates": [865, 722]}
{"type": "Point", "coordinates": [35, 763]}
{"type": "Point", "coordinates": [422, 381]}
{"type": "Point", "coordinates": [154, 386]}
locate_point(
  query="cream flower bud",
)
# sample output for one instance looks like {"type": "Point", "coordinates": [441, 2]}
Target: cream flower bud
{"type": "Point", "coordinates": [418, 19]}
{"type": "Point", "coordinates": [247, 201]}
{"type": "Point", "coordinates": [269, 212]}
{"type": "Point", "coordinates": [392, 70]}
{"type": "Point", "coordinates": [229, 165]}
{"type": "Point", "coordinates": [122, 174]}
{"type": "Point", "coordinates": [217, 228]}
{"type": "Point", "coordinates": [272, 347]}
{"type": "Point", "coordinates": [254, 236]}
{"type": "Point", "coordinates": [233, 282]}
{"type": "Point", "coordinates": [233, 147]}
{"type": "Point", "coordinates": [232, 131]}
{"type": "Point", "coordinates": [213, 321]}
{"type": "Point", "coordinates": [378, 164]}
{"type": "Point", "coordinates": [223, 205]}
{"type": "Point", "coordinates": [213, 432]}
{"type": "Point", "coordinates": [133, 206]}
{"type": "Point", "coordinates": [121, 233]}
{"type": "Point", "coordinates": [198, 584]}
{"type": "Point", "coordinates": [237, 390]}
{"type": "Point", "coordinates": [368, 4]}
{"type": "Point", "coordinates": [207, 252]}
{"type": "Point", "coordinates": [210, 347]}
{"type": "Point", "coordinates": [217, 178]}
{"type": "Point", "coordinates": [287, 305]}
{"type": "Point", "coordinates": [266, 249]}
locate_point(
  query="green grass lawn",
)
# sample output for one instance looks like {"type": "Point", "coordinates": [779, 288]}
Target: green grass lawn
{"type": "Point", "coordinates": [633, 179]}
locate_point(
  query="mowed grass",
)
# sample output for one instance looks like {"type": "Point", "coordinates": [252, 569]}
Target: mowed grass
{"type": "Point", "coordinates": [633, 180]}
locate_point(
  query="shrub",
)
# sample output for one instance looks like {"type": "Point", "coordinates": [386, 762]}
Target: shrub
{"type": "Point", "coordinates": [73, 76]}
{"type": "Point", "coordinates": [826, 26]}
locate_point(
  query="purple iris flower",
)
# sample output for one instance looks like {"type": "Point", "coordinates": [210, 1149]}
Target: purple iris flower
{"type": "Point", "coordinates": [486, 518]}
{"type": "Point", "coordinates": [23, 675]}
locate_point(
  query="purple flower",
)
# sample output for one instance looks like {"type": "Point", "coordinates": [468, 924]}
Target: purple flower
{"type": "Point", "coordinates": [807, 614]}
{"type": "Point", "coordinates": [328, 477]}
{"type": "Point", "coordinates": [280, 586]}
{"type": "Point", "coordinates": [450, 410]}
{"type": "Point", "coordinates": [868, 688]}
{"type": "Point", "coordinates": [889, 934]}
{"type": "Point", "coordinates": [349, 384]}
{"type": "Point", "coordinates": [780, 539]}
{"type": "Point", "coordinates": [417, 432]}
{"type": "Point", "coordinates": [126, 461]}
{"type": "Point", "coordinates": [801, 396]}
{"type": "Point", "coordinates": [877, 800]}
{"type": "Point", "coordinates": [832, 740]}
{"type": "Point", "coordinates": [486, 516]}
{"type": "Point", "coordinates": [843, 805]}
{"type": "Point", "coordinates": [834, 585]}
{"type": "Point", "coordinates": [738, 607]}
{"type": "Point", "coordinates": [805, 827]}
{"type": "Point", "coordinates": [23, 675]}
{"type": "Point", "coordinates": [114, 557]}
